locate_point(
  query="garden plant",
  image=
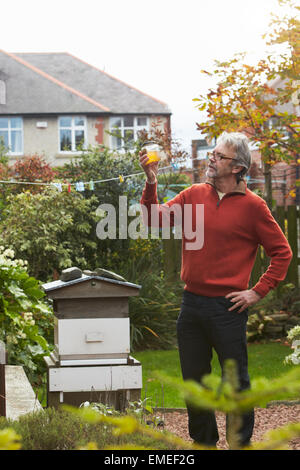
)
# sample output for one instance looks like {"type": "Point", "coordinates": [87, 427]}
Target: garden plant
{"type": "Point", "coordinates": [25, 318]}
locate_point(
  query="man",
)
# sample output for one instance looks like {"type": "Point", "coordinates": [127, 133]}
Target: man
{"type": "Point", "coordinates": [216, 295]}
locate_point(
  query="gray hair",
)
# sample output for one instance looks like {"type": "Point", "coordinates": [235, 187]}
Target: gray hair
{"type": "Point", "coordinates": [239, 143]}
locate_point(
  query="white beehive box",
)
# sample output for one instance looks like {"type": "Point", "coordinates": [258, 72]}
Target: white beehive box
{"type": "Point", "coordinates": [92, 339]}
{"type": "Point", "coordinates": [91, 319]}
{"type": "Point", "coordinates": [85, 379]}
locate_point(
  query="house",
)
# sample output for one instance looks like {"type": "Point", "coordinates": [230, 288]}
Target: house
{"type": "Point", "coordinates": [55, 104]}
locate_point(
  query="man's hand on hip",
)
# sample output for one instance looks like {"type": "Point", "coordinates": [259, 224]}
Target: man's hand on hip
{"type": "Point", "coordinates": [243, 299]}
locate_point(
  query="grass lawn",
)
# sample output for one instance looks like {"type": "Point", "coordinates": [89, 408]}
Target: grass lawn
{"type": "Point", "coordinates": [264, 360]}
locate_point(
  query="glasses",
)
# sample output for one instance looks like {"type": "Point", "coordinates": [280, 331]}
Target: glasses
{"type": "Point", "coordinates": [218, 156]}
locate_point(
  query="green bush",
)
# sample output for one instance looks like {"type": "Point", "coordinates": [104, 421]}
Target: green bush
{"type": "Point", "coordinates": [52, 230]}
{"type": "Point", "coordinates": [53, 429]}
{"type": "Point", "coordinates": [294, 338]}
{"type": "Point", "coordinates": [26, 321]}
{"type": "Point", "coordinates": [100, 164]}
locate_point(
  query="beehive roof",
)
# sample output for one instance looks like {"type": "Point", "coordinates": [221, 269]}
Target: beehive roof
{"type": "Point", "coordinates": [111, 285]}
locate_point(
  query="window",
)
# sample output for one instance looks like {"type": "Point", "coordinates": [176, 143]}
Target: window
{"type": "Point", "coordinates": [11, 134]}
{"type": "Point", "coordinates": [72, 133]}
{"type": "Point", "coordinates": [125, 130]}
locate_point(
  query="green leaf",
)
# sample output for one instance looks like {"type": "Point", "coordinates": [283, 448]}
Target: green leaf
{"type": "Point", "coordinates": [15, 290]}
{"type": "Point", "coordinates": [35, 293]}
{"type": "Point", "coordinates": [42, 308]}
{"type": "Point", "coordinates": [24, 303]}
{"type": "Point", "coordinates": [36, 350]}
{"type": "Point", "coordinates": [30, 282]}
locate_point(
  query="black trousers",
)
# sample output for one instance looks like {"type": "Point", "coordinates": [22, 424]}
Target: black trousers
{"type": "Point", "coordinates": [205, 324]}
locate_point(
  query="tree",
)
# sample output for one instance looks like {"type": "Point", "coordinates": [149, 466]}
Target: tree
{"type": "Point", "coordinates": [254, 98]}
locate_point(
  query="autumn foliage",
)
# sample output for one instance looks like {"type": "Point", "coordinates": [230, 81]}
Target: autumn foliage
{"type": "Point", "coordinates": [33, 168]}
{"type": "Point", "coordinates": [261, 100]}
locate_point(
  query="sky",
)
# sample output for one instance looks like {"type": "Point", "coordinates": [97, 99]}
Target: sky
{"type": "Point", "coordinates": [157, 46]}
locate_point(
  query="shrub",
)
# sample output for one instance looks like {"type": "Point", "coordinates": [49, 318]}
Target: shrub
{"type": "Point", "coordinates": [25, 320]}
{"type": "Point", "coordinates": [294, 338]}
{"type": "Point", "coordinates": [99, 164]}
{"type": "Point", "coordinates": [32, 168]}
{"type": "Point", "coordinates": [52, 230]}
{"type": "Point", "coordinates": [53, 429]}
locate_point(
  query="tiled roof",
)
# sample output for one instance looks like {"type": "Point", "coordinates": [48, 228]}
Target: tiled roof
{"type": "Point", "coordinates": [39, 83]}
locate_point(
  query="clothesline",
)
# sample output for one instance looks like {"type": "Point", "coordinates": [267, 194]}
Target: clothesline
{"type": "Point", "coordinates": [80, 185]}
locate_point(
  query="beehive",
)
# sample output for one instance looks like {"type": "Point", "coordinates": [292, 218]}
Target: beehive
{"type": "Point", "coordinates": [92, 342]}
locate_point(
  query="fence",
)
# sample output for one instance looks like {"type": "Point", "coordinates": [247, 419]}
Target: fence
{"type": "Point", "coordinates": [289, 221]}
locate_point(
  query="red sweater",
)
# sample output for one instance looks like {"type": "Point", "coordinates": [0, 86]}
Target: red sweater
{"type": "Point", "coordinates": [234, 227]}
